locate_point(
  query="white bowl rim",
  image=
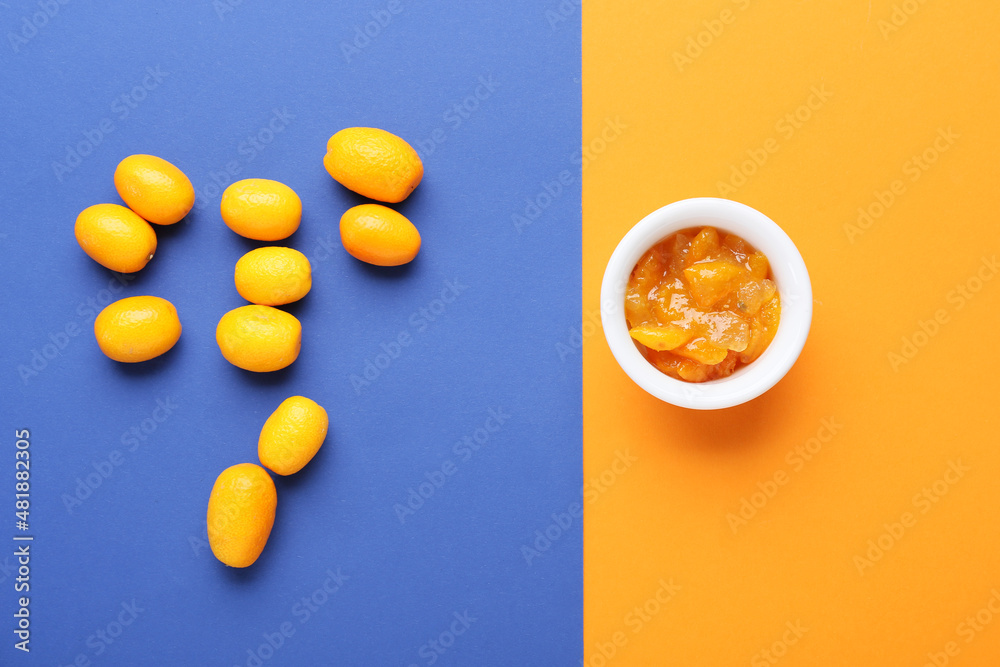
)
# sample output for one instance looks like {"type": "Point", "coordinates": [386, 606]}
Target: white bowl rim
{"type": "Point", "coordinates": [790, 277]}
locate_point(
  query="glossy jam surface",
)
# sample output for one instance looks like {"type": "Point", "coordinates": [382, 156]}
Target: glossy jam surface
{"type": "Point", "coordinates": [701, 304]}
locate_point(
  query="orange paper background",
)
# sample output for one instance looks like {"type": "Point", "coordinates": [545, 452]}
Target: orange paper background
{"type": "Point", "coordinates": [885, 80]}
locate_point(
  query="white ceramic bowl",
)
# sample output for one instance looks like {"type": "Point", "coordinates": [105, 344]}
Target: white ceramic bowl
{"type": "Point", "coordinates": [790, 277]}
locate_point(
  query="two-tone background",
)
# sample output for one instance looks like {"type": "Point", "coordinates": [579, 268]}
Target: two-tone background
{"type": "Point", "coordinates": [847, 517]}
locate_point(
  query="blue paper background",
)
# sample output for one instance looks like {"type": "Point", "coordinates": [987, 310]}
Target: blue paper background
{"type": "Point", "coordinates": [202, 83]}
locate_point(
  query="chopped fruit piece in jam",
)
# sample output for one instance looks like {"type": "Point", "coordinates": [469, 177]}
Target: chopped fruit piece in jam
{"type": "Point", "coordinates": [737, 245]}
{"type": "Point", "coordinates": [661, 338]}
{"type": "Point", "coordinates": [703, 245]}
{"type": "Point", "coordinates": [701, 349]}
{"type": "Point", "coordinates": [759, 267]}
{"type": "Point", "coordinates": [711, 280]}
{"type": "Point", "coordinates": [700, 307]}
